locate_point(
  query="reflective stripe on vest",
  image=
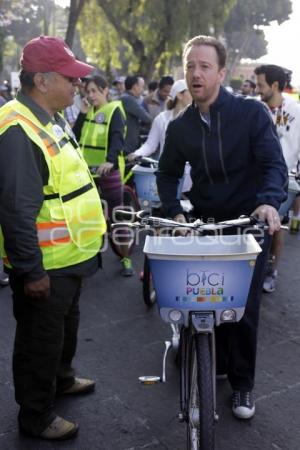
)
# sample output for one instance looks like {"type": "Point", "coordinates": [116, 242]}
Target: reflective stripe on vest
{"type": "Point", "coordinates": [49, 143]}
{"type": "Point", "coordinates": [70, 223]}
{"type": "Point", "coordinates": [53, 233]}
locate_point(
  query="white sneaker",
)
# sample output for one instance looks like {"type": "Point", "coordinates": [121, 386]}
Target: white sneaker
{"type": "Point", "coordinates": [4, 280]}
{"type": "Point", "coordinates": [243, 405]}
{"type": "Point", "coordinates": [270, 281]}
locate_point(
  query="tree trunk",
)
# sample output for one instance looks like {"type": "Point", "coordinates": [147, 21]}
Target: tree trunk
{"type": "Point", "coordinates": [75, 10]}
{"type": "Point", "coordinates": [2, 46]}
{"type": "Point", "coordinates": [146, 63]}
{"type": "Point", "coordinates": [48, 13]}
{"type": "Point", "coordinates": [233, 61]}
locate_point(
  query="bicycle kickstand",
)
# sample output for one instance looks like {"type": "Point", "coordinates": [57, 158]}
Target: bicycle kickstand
{"type": "Point", "coordinates": [168, 345]}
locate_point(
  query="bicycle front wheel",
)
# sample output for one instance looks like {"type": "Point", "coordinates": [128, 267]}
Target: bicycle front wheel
{"type": "Point", "coordinates": [149, 294]}
{"type": "Point", "coordinates": [200, 402]}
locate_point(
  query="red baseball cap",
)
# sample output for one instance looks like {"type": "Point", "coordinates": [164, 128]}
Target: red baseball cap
{"type": "Point", "coordinates": [51, 54]}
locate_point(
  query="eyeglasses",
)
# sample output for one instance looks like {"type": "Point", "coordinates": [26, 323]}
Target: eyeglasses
{"type": "Point", "coordinates": [71, 79]}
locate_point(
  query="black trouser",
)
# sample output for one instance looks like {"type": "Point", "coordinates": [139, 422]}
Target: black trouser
{"type": "Point", "coordinates": [237, 342]}
{"type": "Point", "coordinates": [45, 344]}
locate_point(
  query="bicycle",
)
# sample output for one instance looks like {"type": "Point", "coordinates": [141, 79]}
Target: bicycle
{"type": "Point", "coordinates": [143, 194]}
{"type": "Point", "coordinates": [146, 190]}
{"type": "Point", "coordinates": [145, 182]}
{"type": "Point", "coordinates": [200, 295]}
{"type": "Point", "coordinates": [133, 200]}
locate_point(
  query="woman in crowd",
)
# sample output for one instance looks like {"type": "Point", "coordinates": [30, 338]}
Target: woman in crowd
{"type": "Point", "coordinates": [100, 130]}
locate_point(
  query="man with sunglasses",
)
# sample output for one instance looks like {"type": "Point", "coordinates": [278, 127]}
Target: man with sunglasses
{"type": "Point", "coordinates": [48, 202]}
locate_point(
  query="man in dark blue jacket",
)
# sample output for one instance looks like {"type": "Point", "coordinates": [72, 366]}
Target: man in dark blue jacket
{"type": "Point", "coordinates": [237, 168]}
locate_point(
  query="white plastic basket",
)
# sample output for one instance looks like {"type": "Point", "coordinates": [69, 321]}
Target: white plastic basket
{"type": "Point", "coordinates": [202, 272]}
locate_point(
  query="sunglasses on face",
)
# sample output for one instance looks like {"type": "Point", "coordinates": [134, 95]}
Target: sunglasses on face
{"type": "Point", "coordinates": [71, 79]}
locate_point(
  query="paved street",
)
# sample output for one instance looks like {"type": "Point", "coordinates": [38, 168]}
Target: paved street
{"type": "Point", "coordinates": [120, 339]}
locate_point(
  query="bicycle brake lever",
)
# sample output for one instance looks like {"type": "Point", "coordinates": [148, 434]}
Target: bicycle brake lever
{"type": "Point", "coordinates": [142, 214]}
{"type": "Point", "coordinates": [261, 224]}
{"type": "Point", "coordinates": [125, 224]}
{"type": "Point", "coordinates": [123, 212]}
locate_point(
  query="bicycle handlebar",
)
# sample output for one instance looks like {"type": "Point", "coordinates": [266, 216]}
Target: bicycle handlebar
{"type": "Point", "coordinates": [144, 220]}
{"type": "Point", "coordinates": [147, 160]}
{"type": "Point", "coordinates": [143, 161]}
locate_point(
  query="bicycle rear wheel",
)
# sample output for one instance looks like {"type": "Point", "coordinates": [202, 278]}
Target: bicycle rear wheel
{"type": "Point", "coordinates": [200, 402]}
{"type": "Point", "coordinates": [130, 203]}
{"type": "Point", "coordinates": [149, 294]}
{"type": "Point", "coordinates": [130, 199]}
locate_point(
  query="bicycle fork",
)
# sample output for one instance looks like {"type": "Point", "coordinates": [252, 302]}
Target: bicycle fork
{"type": "Point", "coordinates": [204, 322]}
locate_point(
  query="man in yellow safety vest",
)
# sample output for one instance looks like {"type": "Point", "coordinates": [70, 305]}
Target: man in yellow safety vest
{"type": "Point", "coordinates": [52, 227]}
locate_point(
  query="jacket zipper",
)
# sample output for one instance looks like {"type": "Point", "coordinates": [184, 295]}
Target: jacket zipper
{"type": "Point", "coordinates": [221, 149]}
{"type": "Point", "coordinates": [204, 156]}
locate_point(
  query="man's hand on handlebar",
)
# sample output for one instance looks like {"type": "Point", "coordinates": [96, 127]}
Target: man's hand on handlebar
{"type": "Point", "coordinates": [268, 214]}
{"type": "Point", "coordinates": [181, 219]}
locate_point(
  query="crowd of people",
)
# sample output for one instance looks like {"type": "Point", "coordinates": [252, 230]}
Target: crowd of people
{"type": "Point", "coordinates": [64, 143]}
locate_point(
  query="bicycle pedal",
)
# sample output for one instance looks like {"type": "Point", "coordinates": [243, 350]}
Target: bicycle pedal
{"type": "Point", "coordinates": [149, 379]}
{"type": "Point", "coordinates": [181, 417]}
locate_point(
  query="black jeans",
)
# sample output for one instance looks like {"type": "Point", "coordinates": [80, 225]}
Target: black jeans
{"type": "Point", "coordinates": [236, 343]}
{"type": "Point", "coordinates": [45, 344]}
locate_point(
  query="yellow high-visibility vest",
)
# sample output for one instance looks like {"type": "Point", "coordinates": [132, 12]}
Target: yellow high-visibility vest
{"type": "Point", "coordinates": [70, 223]}
{"type": "Point", "coordinates": [94, 134]}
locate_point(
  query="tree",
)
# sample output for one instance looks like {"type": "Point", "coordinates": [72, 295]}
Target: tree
{"type": "Point", "coordinates": [32, 21]}
{"type": "Point", "coordinates": [100, 42]}
{"type": "Point", "coordinates": [22, 20]}
{"type": "Point", "coordinates": [12, 14]}
{"type": "Point", "coordinates": [242, 30]}
{"type": "Point", "coordinates": [145, 34]}
{"type": "Point", "coordinates": [74, 13]}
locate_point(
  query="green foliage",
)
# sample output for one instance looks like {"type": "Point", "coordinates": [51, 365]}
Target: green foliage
{"type": "Point", "coordinates": [101, 41]}
{"type": "Point", "coordinates": [207, 17]}
{"type": "Point", "coordinates": [144, 36]}
{"type": "Point", "coordinates": [257, 12]}
{"type": "Point", "coordinates": [14, 14]}
{"type": "Point", "coordinates": [242, 30]}
{"type": "Point", "coordinates": [22, 20]}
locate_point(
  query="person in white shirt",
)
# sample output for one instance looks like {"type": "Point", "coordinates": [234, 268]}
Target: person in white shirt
{"type": "Point", "coordinates": [179, 98]}
{"type": "Point", "coordinates": [285, 112]}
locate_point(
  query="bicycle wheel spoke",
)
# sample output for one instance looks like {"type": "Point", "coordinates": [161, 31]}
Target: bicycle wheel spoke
{"type": "Point", "coordinates": [200, 411]}
{"type": "Point", "coordinates": [193, 405]}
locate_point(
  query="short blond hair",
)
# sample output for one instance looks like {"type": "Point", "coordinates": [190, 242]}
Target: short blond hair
{"type": "Point", "coordinates": [212, 42]}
